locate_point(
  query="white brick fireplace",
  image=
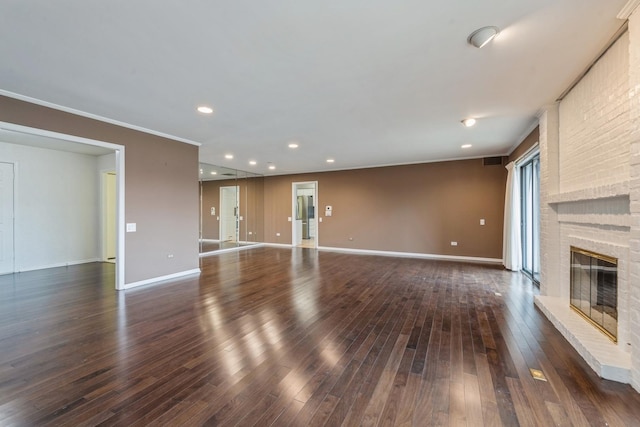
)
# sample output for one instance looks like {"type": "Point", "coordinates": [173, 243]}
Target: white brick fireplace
{"type": "Point", "coordinates": [590, 198]}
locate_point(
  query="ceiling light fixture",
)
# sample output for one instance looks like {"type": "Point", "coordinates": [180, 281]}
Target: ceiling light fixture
{"type": "Point", "coordinates": [228, 156]}
{"type": "Point", "coordinates": [480, 37]}
{"type": "Point", "coordinates": [293, 145]}
{"type": "Point", "coordinates": [214, 173]}
{"type": "Point", "coordinates": [272, 167]}
{"type": "Point", "coordinates": [330, 160]}
{"type": "Point", "coordinates": [469, 122]}
{"type": "Point", "coordinates": [205, 110]}
{"type": "Point", "coordinates": [253, 162]}
{"type": "Point", "coordinates": [466, 146]}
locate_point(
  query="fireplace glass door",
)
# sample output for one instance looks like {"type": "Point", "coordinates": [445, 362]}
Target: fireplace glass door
{"type": "Point", "coordinates": [594, 286]}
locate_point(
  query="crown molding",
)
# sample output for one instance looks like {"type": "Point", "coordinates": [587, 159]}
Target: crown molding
{"type": "Point", "coordinates": [628, 9]}
{"type": "Point", "coordinates": [94, 116]}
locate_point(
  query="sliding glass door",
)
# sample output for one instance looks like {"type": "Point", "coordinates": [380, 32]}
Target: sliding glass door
{"type": "Point", "coordinates": [530, 193]}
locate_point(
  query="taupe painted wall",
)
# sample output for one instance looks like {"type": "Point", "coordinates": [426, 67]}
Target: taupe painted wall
{"type": "Point", "coordinates": [161, 188]}
{"type": "Point", "coordinates": [528, 142]}
{"type": "Point", "coordinates": [413, 208]}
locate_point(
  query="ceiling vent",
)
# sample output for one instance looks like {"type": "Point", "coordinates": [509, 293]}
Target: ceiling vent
{"type": "Point", "coordinates": [492, 161]}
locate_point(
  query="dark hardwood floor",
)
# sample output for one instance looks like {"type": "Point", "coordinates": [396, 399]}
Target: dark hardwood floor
{"type": "Point", "coordinates": [295, 337]}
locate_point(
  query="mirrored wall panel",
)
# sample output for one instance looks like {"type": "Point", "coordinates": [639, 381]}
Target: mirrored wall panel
{"type": "Point", "coordinates": [231, 208]}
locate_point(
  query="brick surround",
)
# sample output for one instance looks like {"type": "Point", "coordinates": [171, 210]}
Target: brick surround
{"type": "Point", "coordinates": [590, 198]}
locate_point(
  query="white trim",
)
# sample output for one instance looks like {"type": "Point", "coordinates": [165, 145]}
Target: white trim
{"type": "Point", "coordinates": [95, 117]}
{"type": "Point", "coordinates": [14, 178]}
{"type": "Point", "coordinates": [628, 9]}
{"type": "Point", "coordinates": [59, 264]}
{"type": "Point", "coordinates": [383, 165]}
{"type": "Point", "coordinates": [119, 154]}
{"type": "Point", "coordinates": [533, 151]}
{"type": "Point", "coordinates": [414, 255]}
{"type": "Point", "coordinates": [168, 277]}
{"type": "Point", "coordinates": [236, 249]}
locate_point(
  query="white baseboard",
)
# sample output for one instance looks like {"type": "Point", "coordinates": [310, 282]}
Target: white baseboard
{"type": "Point", "coordinates": [278, 245]}
{"type": "Point", "coordinates": [59, 264]}
{"type": "Point", "coordinates": [179, 275]}
{"type": "Point", "coordinates": [414, 255]}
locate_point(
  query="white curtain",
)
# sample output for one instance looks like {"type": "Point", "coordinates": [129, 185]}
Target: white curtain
{"type": "Point", "coordinates": [511, 248]}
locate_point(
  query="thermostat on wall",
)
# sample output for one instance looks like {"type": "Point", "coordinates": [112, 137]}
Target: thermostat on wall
{"type": "Point", "coordinates": [328, 210]}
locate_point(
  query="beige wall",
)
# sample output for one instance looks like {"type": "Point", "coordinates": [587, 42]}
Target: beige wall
{"type": "Point", "coordinates": [525, 145]}
{"type": "Point", "coordinates": [413, 208]}
{"type": "Point", "coordinates": [161, 188]}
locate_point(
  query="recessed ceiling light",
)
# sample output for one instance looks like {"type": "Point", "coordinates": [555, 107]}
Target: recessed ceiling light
{"type": "Point", "coordinates": [228, 156]}
{"type": "Point", "coordinates": [293, 145]}
{"type": "Point", "coordinates": [480, 37]}
{"type": "Point", "coordinates": [253, 162]}
{"type": "Point", "coordinates": [214, 173]}
{"type": "Point", "coordinates": [469, 122]}
{"type": "Point", "coordinates": [200, 170]}
{"type": "Point", "coordinates": [466, 146]}
{"type": "Point", "coordinates": [330, 160]}
{"type": "Point", "coordinates": [205, 110]}
{"type": "Point", "coordinates": [272, 167]}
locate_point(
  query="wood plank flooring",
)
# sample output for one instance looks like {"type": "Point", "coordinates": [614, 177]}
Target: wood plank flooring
{"type": "Point", "coordinates": [272, 336]}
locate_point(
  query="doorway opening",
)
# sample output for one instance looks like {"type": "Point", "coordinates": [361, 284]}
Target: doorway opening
{"type": "Point", "coordinates": [40, 138]}
{"type": "Point", "coordinates": [304, 218]}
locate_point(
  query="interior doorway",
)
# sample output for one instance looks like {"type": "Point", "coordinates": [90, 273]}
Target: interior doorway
{"type": "Point", "coordinates": [6, 218]}
{"type": "Point", "coordinates": [40, 138]}
{"type": "Point", "coordinates": [229, 211]}
{"type": "Point", "coordinates": [304, 218]}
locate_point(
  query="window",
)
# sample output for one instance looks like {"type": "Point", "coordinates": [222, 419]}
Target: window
{"type": "Point", "coordinates": [530, 218]}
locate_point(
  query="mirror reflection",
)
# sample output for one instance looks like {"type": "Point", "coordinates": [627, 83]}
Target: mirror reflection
{"type": "Point", "coordinates": [231, 208]}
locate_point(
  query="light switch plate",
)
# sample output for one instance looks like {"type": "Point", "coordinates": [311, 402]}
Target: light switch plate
{"type": "Point", "coordinates": [131, 227]}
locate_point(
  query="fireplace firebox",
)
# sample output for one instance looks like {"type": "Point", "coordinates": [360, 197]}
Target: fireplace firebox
{"type": "Point", "coordinates": [594, 289]}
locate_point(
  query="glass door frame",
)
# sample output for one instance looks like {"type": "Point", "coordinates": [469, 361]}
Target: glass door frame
{"type": "Point", "coordinates": [529, 171]}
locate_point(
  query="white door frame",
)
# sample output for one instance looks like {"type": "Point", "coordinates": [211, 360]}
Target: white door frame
{"type": "Point", "coordinates": [119, 154]}
{"type": "Point", "coordinates": [294, 203]}
{"type": "Point", "coordinates": [14, 168]}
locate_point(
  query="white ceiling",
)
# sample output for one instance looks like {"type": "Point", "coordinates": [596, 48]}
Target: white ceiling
{"type": "Point", "coordinates": [365, 82]}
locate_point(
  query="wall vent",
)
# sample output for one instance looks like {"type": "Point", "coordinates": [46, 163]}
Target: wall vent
{"type": "Point", "coordinates": [492, 161]}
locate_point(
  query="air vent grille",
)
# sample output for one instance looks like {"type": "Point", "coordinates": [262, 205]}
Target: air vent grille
{"type": "Point", "coordinates": [492, 161]}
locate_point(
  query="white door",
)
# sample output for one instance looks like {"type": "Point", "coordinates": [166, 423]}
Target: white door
{"type": "Point", "coordinates": [229, 211]}
{"type": "Point", "coordinates": [110, 216]}
{"type": "Point", "coordinates": [6, 218]}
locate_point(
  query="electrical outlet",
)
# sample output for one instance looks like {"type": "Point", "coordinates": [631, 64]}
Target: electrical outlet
{"type": "Point", "coordinates": [482, 221]}
{"type": "Point", "coordinates": [454, 243]}
{"type": "Point", "coordinates": [277, 234]}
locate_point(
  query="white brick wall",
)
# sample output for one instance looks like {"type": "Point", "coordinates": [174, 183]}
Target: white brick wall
{"type": "Point", "coordinates": [590, 182]}
{"type": "Point", "coordinates": [594, 124]}
{"type": "Point", "coordinates": [634, 196]}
